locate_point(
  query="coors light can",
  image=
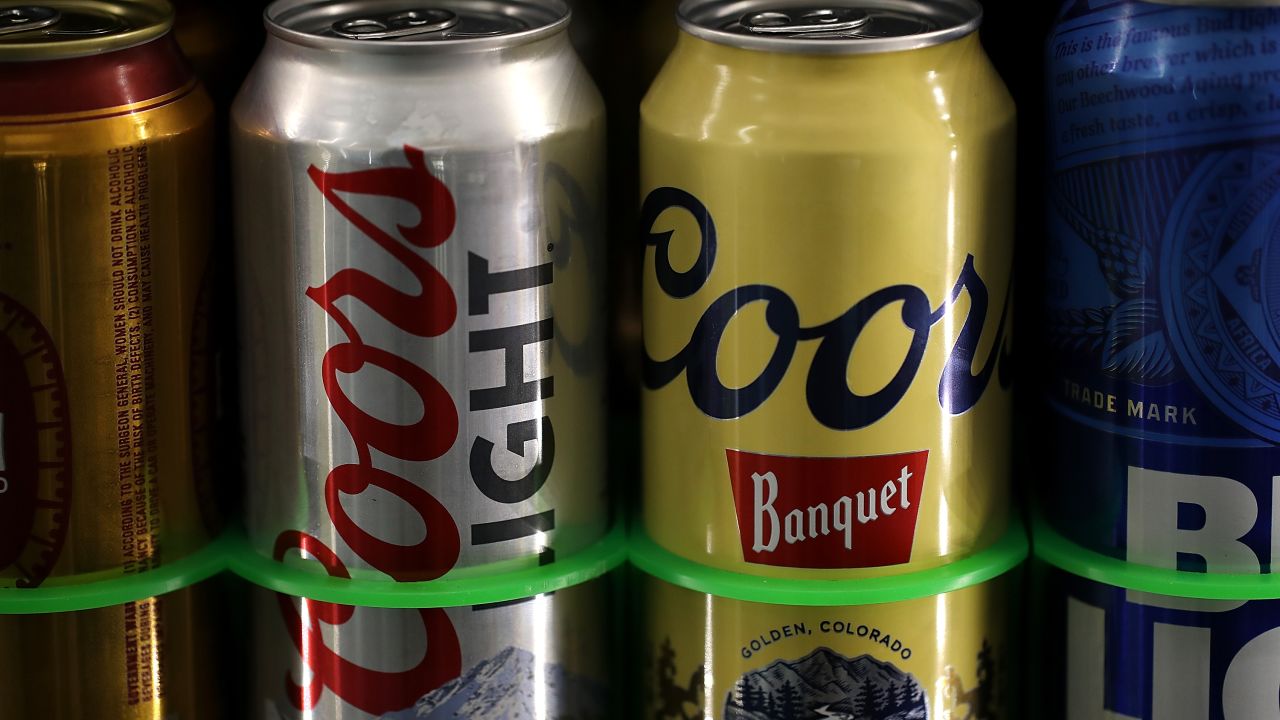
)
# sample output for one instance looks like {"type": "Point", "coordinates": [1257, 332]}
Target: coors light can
{"type": "Point", "coordinates": [419, 267]}
{"type": "Point", "coordinates": [827, 288]}
{"type": "Point", "coordinates": [544, 657]}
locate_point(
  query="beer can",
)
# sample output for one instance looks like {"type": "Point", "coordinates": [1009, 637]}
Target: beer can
{"type": "Point", "coordinates": [144, 659]}
{"type": "Point", "coordinates": [1130, 642]}
{"type": "Point", "coordinates": [418, 214]}
{"type": "Point", "coordinates": [487, 648]}
{"type": "Point", "coordinates": [828, 202]}
{"type": "Point", "coordinates": [104, 295]}
{"type": "Point", "coordinates": [937, 644]}
{"type": "Point", "coordinates": [1161, 285]}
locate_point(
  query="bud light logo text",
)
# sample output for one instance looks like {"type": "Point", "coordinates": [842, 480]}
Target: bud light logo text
{"type": "Point", "coordinates": [827, 512]}
{"type": "Point", "coordinates": [827, 392]}
{"type": "Point", "coordinates": [1136, 656]}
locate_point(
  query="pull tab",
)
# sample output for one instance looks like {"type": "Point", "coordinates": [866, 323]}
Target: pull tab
{"type": "Point", "coordinates": [28, 17]}
{"type": "Point", "coordinates": [395, 25]}
{"type": "Point", "coordinates": [803, 21]}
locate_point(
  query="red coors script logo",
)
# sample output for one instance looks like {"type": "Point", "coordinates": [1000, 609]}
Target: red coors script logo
{"type": "Point", "coordinates": [827, 512]}
{"type": "Point", "coordinates": [429, 313]}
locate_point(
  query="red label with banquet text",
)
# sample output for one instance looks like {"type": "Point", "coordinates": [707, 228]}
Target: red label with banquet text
{"type": "Point", "coordinates": [827, 512]}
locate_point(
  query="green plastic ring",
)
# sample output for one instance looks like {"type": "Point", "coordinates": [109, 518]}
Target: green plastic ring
{"type": "Point", "coordinates": [574, 569]}
{"type": "Point", "coordinates": [1005, 555]}
{"type": "Point", "coordinates": [71, 593]}
{"type": "Point", "coordinates": [1066, 555]}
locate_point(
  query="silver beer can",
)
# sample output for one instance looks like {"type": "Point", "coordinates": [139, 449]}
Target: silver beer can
{"type": "Point", "coordinates": [420, 262]}
{"type": "Point", "coordinates": [546, 657]}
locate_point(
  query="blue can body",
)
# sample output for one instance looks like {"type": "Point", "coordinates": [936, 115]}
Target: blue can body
{"type": "Point", "coordinates": [1140, 656]}
{"type": "Point", "coordinates": [1163, 283]}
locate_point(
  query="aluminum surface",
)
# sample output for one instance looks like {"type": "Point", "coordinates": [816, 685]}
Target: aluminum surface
{"type": "Point", "coordinates": [75, 28]}
{"type": "Point", "coordinates": [843, 27]}
{"type": "Point", "coordinates": [445, 209]}
{"type": "Point", "coordinates": [138, 661]}
{"type": "Point", "coordinates": [104, 315]}
{"type": "Point", "coordinates": [543, 658]}
{"type": "Point", "coordinates": [932, 658]}
{"type": "Point", "coordinates": [389, 26]}
{"type": "Point", "coordinates": [827, 308]}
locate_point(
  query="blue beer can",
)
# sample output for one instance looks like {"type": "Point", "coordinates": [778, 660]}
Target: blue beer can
{"type": "Point", "coordinates": [1163, 282]}
{"type": "Point", "coordinates": [1118, 641]}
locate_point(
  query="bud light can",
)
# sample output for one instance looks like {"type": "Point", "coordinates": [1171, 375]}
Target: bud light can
{"type": "Point", "coordinates": [1114, 645]}
{"type": "Point", "coordinates": [418, 194]}
{"type": "Point", "coordinates": [722, 646]}
{"type": "Point", "coordinates": [544, 657]}
{"type": "Point", "coordinates": [827, 288]}
{"type": "Point", "coordinates": [1163, 282]}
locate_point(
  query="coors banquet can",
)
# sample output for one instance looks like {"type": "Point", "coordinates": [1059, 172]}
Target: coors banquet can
{"type": "Point", "coordinates": [419, 226]}
{"type": "Point", "coordinates": [828, 210]}
{"type": "Point", "coordinates": [729, 647]}
{"type": "Point", "coordinates": [1163, 282]}
{"type": "Point", "coordinates": [141, 660]}
{"type": "Point", "coordinates": [1111, 651]}
{"type": "Point", "coordinates": [105, 184]}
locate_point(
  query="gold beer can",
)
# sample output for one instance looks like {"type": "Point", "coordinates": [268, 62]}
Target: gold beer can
{"type": "Point", "coordinates": [105, 150]}
{"type": "Point", "coordinates": [828, 215]}
{"type": "Point", "coordinates": [934, 645]}
{"type": "Point", "coordinates": [139, 660]}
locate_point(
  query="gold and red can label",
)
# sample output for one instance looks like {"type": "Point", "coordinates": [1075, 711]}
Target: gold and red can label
{"type": "Point", "coordinates": [759, 656]}
{"type": "Point", "coordinates": [104, 190]}
{"type": "Point", "coordinates": [827, 291]}
{"type": "Point", "coordinates": [152, 658]}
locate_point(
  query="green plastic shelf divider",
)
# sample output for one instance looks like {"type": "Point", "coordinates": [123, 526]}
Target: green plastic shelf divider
{"type": "Point", "coordinates": [1061, 553]}
{"type": "Point", "coordinates": [70, 593]}
{"type": "Point", "coordinates": [570, 570]}
{"type": "Point", "coordinates": [1005, 555]}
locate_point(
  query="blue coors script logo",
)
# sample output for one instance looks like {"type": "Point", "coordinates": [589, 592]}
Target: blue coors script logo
{"type": "Point", "coordinates": [827, 390]}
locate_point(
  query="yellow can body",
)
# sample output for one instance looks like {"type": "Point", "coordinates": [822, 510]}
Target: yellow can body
{"type": "Point", "coordinates": [142, 660]}
{"type": "Point", "coordinates": [945, 657]}
{"type": "Point", "coordinates": [827, 307]}
{"type": "Point", "coordinates": [104, 319]}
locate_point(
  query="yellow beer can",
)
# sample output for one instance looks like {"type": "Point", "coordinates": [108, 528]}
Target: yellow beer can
{"type": "Point", "coordinates": [105, 295]}
{"type": "Point", "coordinates": [828, 219]}
{"type": "Point", "coordinates": [138, 660]}
{"type": "Point", "coordinates": [934, 645]}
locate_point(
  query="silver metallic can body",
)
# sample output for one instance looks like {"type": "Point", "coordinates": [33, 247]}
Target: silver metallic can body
{"type": "Point", "coordinates": [541, 658]}
{"type": "Point", "coordinates": [420, 261]}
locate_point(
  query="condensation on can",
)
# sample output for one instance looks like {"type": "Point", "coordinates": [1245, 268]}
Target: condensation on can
{"type": "Point", "coordinates": [545, 657]}
{"type": "Point", "coordinates": [421, 266]}
{"type": "Point", "coordinates": [104, 300]}
{"type": "Point", "coordinates": [945, 656]}
{"type": "Point", "coordinates": [827, 311]}
{"type": "Point", "coordinates": [148, 659]}
{"type": "Point", "coordinates": [1160, 290]}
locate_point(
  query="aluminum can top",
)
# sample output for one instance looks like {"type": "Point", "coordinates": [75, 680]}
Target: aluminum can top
{"type": "Point", "coordinates": [58, 29]}
{"type": "Point", "coordinates": [399, 26]}
{"type": "Point", "coordinates": [840, 27]}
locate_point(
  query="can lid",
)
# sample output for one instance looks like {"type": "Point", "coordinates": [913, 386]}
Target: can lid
{"type": "Point", "coordinates": [72, 593]}
{"type": "Point", "coordinates": [415, 26]}
{"type": "Point", "coordinates": [1006, 554]}
{"type": "Point", "coordinates": [836, 27]}
{"type": "Point", "coordinates": [58, 29]}
{"type": "Point", "coordinates": [479, 589]}
{"type": "Point", "coordinates": [1063, 554]}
